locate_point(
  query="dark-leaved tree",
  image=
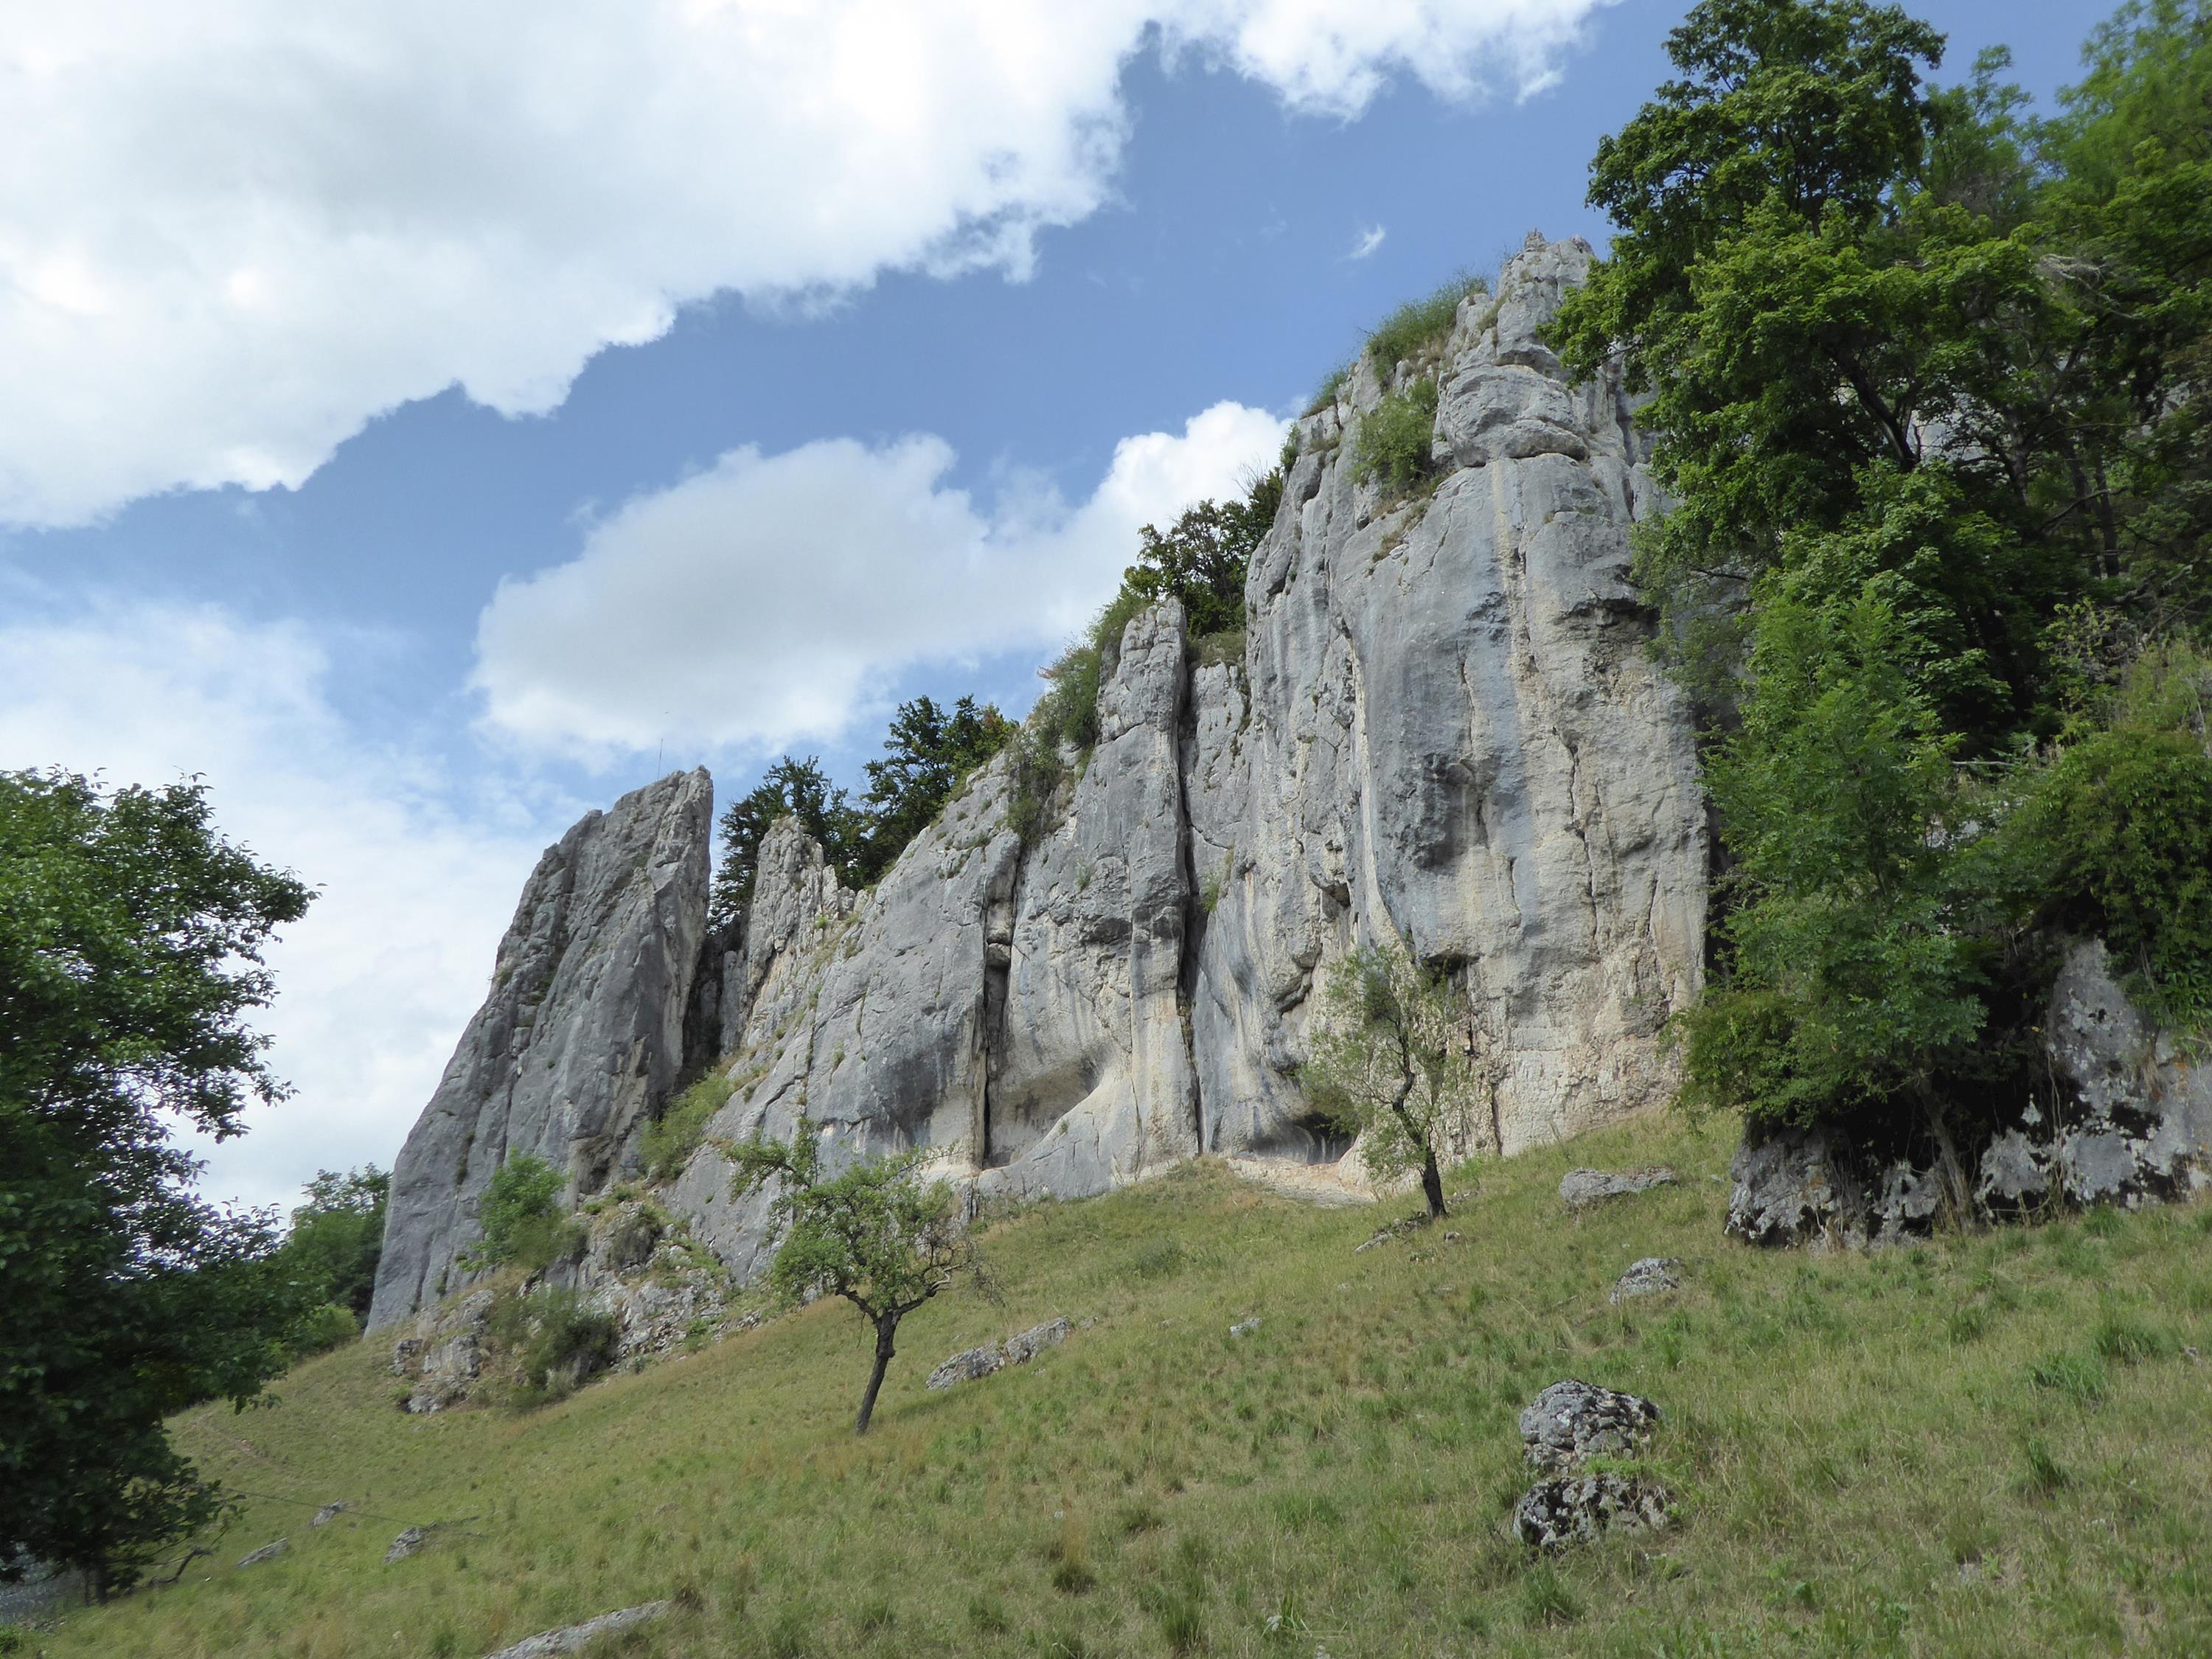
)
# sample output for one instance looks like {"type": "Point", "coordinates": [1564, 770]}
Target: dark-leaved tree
{"type": "Point", "coordinates": [130, 940]}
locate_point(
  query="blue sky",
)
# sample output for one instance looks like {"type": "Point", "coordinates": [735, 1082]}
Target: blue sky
{"type": "Point", "coordinates": [771, 395]}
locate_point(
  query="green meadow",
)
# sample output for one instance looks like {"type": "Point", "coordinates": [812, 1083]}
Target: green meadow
{"type": "Point", "coordinates": [1994, 1443]}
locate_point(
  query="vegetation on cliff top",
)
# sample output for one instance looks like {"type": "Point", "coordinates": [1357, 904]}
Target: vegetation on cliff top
{"type": "Point", "coordinates": [1987, 1445]}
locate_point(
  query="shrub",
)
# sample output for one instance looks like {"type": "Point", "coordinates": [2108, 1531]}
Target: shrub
{"type": "Point", "coordinates": [2116, 834]}
{"type": "Point", "coordinates": [331, 1326]}
{"type": "Point", "coordinates": [671, 1138]}
{"type": "Point", "coordinates": [1392, 442]}
{"type": "Point", "coordinates": [521, 1218]}
{"type": "Point", "coordinates": [1325, 394]}
{"type": "Point", "coordinates": [554, 1344]}
{"type": "Point", "coordinates": [1418, 328]}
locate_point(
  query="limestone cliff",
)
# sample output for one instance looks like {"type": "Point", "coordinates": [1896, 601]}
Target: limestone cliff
{"type": "Point", "coordinates": [583, 1034]}
{"type": "Point", "coordinates": [1444, 728]}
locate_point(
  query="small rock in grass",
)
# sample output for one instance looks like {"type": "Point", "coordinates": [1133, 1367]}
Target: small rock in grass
{"type": "Point", "coordinates": [1647, 1278]}
{"type": "Point", "coordinates": [1571, 1422]}
{"type": "Point", "coordinates": [574, 1637]}
{"type": "Point", "coordinates": [404, 1545]}
{"type": "Point", "coordinates": [1244, 1327]}
{"type": "Point", "coordinates": [328, 1513]}
{"type": "Point", "coordinates": [266, 1553]}
{"type": "Point", "coordinates": [1578, 1509]}
{"type": "Point", "coordinates": [1580, 1188]}
{"type": "Point", "coordinates": [972, 1363]}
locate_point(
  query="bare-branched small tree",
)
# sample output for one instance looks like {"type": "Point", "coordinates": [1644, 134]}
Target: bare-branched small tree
{"type": "Point", "coordinates": [1395, 1058]}
{"type": "Point", "coordinates": [875, 1233]}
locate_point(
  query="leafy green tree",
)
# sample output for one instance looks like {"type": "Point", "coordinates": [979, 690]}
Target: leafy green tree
{"type": "Point", "coordinates": [1395, 1058]}
{"type": "Point", "coordinates": [874, 1233]}
{"type": "Point", "coordinates": [130, 942]}
{"type": "Point", "coordinates": [338, 1236]}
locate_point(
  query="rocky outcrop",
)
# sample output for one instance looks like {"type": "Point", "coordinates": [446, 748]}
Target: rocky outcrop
{"type": "Point", "coordinates": [1571, 1422]}
{"type": "Point", "coordinates": [2128, 1121]}
{"type": "Point", "coordinates": [1555, 1515]}
{"type": "Point", "coordinates": [580, 1037]}
{"type": "Point", "coordinates": [1579, 1189]}
{"type": "Point", "coordinates": [1443, 728]}
{"type": "Point", "coordinates": [1651, 1276]}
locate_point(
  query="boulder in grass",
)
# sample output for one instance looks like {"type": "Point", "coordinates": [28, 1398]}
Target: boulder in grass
{"type": "Point", "coordinates": [404, 1545]}
{"type": "Point", "coordinates": [1580, 1188]}
{"type": "Point", "coordinates": [266, 1553]}
{"type": "Point", "coordinates": [1578, 1509]}
{"type": "Point", "coordinates": [573, 1638]}
{"type": "Point", "coordinates": [972, 1363]}
{"type": "Point", "coordinates": [1649, 1277]}
{"type": "Point", "coordinates": [1571, 1422]}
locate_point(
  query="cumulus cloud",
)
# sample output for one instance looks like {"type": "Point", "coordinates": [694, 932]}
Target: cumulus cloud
{"type": "Point", "coordinates": [763, 602]}
{"type": "Point", "coordinates": [1369, 239]}
{"type": "Point", "coordinates": [230, 232]}
{"type": "Point", "coordinates": [374, 983]}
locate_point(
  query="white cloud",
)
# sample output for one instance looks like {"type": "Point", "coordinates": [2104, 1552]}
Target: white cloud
{"type": "Point", "coordinates": [1369, 239]}
{"type": "Point", "coordinates": [232, 232]}
{"type": "Point", "coordinates": [764, 601]}
{"type": "Point", "coordinates": [375, 982]}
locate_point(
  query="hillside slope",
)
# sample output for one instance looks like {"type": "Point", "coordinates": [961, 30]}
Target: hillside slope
{"type": "Point", "coordinates": [1989, 1444]}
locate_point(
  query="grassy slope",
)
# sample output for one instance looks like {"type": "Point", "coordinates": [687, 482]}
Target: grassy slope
{"type": "Point", "coordinates": [1843, 1433]}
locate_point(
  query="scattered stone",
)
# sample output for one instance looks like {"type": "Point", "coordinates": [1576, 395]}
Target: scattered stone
{"type": "Point", "coordinates": [577, 1636]}
{"type": "Point", "coordinates": [1244, 1327]}
{"type": "Point", "coordinates": [404, 1545]}
{"type": "Point", "coordinates": [973, 1363]}
{"type": "Point", "coordinates": [328, 1513]}
{"type": "Point", "coordinates": [1571, 1422]}
{"type": "Point", "coordinates": [1451, 1238]}
{"type": "Point", "coordinates": [1653, 1274]}
{"type": "Point", "coordinates": [1580, 1188]}
{"type": "Point", "coordinates": [1411, 1223]}
{"type": "Point", "coordinates": [266, 1553]}
{"type": "Point", "coordinates": [1577, 1509]}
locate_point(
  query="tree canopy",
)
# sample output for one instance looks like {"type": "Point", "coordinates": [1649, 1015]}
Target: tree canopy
{"type": "Point", "coordinates": [1926, 379]}
{"type": "Point", "coordinates": [130, 954]}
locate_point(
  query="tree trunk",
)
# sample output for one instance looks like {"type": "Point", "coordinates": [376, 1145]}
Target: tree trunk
{"type": "Point", "coordinates": [886, 1327]}
{"type": "Point", "coordinates": [1433, 1183]}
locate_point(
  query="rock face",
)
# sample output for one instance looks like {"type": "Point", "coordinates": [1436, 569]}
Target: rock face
{"type": "Point", "coordinates": [1443, 728]}
{"type": "Point", "coordinates": [581, 1035]}
{"type": "Point", "coordinates": [2129, 1121]}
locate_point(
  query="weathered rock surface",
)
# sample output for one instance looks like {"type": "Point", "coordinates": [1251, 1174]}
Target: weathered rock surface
{"type": "Point", "coordinates": [266, 1553]}
{"type": "Point", "coordinates": [1443, 728]}
{"type": "Point", "coordinates": [1580, 1188]}
{"type": "Point", "coordinates": [328, 1513]}
{"type": "Point", "coordinates": [1570, 1422]}
{"type": "Point", "coordinates": [1649, 1277]}
{"type": "Point", "coordinates": [406, 1544]}
{"type": "Point", "coordinates": [581, 1037]}
{"type": "Point", "coordinates": [575, 1638]}
{"type": "Point", "coordinates": [971, 1365]}
{"type": "Point", "coordinates": [1554, 1515]}
{"type": "Point", "coordinates": [2130, 1123]}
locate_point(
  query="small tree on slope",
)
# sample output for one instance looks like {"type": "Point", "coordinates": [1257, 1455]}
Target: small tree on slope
{"type": "Point", "coordinates": [874, 1233]}
{"type": "Point", "coordinates": [1392, 1059]}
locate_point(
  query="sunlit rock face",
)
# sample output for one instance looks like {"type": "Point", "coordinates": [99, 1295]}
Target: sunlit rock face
{"type": "Point", "coordinates": [1442, 727]}
{"type": "Point", "coordinates": [581, 1037]}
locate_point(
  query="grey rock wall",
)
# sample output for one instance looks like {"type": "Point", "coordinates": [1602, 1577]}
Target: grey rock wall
{"type": "Point", "coordinates": [1443, 728]}
{"type": "Point", "coordinates": [580, 1035]}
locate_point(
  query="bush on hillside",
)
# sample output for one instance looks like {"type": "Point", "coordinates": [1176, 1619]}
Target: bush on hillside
{"type": "Point", "coordinates": [1417, 330]}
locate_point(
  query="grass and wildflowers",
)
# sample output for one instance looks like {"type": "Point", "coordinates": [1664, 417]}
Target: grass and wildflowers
{"type": "Point", "coordinates": [1990, 1444]}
